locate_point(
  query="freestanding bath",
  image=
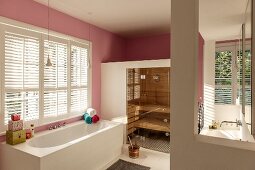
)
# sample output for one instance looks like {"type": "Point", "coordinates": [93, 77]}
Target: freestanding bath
{"type": "Point", "coordinates": [77, 146]}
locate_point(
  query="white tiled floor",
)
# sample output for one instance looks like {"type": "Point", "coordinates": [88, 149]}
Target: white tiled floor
{"type": "Point", "coordinates": [155, 160]}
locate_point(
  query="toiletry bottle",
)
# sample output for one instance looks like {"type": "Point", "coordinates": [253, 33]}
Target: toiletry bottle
{"type": "Point", "coordinates": [32, 128]}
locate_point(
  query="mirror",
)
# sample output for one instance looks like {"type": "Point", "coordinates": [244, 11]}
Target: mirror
{"type": "Point", "coordinates": [246, 41]}
{"type": "Point", "coordinates": [227, 71]}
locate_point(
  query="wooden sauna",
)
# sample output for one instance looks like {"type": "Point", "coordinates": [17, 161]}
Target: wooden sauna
{"type": "Point", "coordinates": [148, 99]}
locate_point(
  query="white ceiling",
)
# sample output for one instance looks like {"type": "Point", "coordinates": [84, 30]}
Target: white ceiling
{"type": "Point", "coordinates": [124, 17]}
{"type": "Point", "coordinates": [219, 19]}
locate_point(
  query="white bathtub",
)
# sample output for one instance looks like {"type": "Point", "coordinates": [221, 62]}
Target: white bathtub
{"type": "Point", "coordinates": [77, 146]}
{"type": "Point", "coordinates": [226, 133]}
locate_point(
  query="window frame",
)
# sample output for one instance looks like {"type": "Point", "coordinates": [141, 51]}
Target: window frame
{"type": "Point", "coordinates": [234, 47]}
{"type": "Point", "coordinates": [42, 34]}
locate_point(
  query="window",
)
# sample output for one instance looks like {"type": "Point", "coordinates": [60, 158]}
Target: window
{"type": "Point", "coordinates": [79, 84]}
{"type": "Point", "coordinates": [55, 78]}
{"type": "Point", "coordinates": [223, 77]}
{"type": "Point", "coordinates": [42, 94]}
{"type": "Point", "coordinates": [247, 76]}
{"type": "Point", "coordinates": [133, 84]}
{"type": "Point", "coordinates": [228, 74]}
{"type": "Point", "coordinates": [21, 76]}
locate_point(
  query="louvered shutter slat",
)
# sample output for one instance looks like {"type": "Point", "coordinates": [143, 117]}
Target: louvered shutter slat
{"type": "Point", "coordinates": [62, 65]}
{"type": "Point", "coordinates": [79, 100]}
{"type": "Point", "coordinates": [55, 103]}
{"type": "Point", "coordinates": [79, 78]}
{"type": "Point", "coordinates": [13, 104]}
{"type": "Point", "coordinates": [62, 102]}
{"type": "Point", "coordinates": [223, 77]}
{"type": "Point", "coordinates": [50, 104]}
{"type": "Point", "coordinates": [21, 73]}
{"type": "Point", "coordinates": [31, 105]}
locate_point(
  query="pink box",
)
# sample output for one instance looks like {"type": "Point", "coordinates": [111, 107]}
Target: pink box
{"type": "Point", "coordinates": [15, 125]}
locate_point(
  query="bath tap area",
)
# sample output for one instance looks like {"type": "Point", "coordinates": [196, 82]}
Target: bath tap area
{"type": "Point", "coordinates": [233, 130]}
{"type": "Point", "coordinates": [229, 123]}
{"type": "Point", "coordinates": [56, 149]}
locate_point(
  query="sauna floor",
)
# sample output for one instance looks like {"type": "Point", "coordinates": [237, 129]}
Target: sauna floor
{"type": "Point", "coordinates": [156, 142]}
{"type": "Point", "coordinates": [153, 159]}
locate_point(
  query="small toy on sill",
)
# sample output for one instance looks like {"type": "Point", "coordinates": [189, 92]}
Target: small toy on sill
{"type": "Point", "coordinates": [28, 134]}
{"type": "Point", "coordinates": [15, 125]}
{"type": "Point", "coordinates": [15, 137]}
{"type": "Point", "coordinates": [32, 129]}
{"type": "Point", "coordinates": [15, 117]}
{"type": "Point", "coordinates": [91, 113]}
{"type": "Point", "coordinates": [214, 125]}
{"type": "Point", "coordinates": [15, 133]}
{"type": "Point", "coordinates": [87, 118]}
{"type": "Point", "coordinates": [95, 118]}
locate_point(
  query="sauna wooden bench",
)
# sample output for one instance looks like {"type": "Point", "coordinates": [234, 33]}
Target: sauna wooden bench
{"type": "Point", "coordinates": [152, 124]}
{"type": "Point", "coordinates": [155, 122]}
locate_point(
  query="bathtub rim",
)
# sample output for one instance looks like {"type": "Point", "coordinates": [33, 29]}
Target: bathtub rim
{"type": "Point", "coordinates": [41, 152]}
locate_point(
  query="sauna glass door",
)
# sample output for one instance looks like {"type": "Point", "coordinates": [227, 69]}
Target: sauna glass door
{"type": "Point", "coordinates": [148, 104]}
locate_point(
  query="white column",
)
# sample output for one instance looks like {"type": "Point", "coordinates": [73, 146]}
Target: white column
{"type": "Point", "coordinates": [184, 81]}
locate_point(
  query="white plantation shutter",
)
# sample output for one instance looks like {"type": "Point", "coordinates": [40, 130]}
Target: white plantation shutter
{"type": "Point", "coordinates": [75, 66]}
{"type": "Point", "coordinates": [13, 104]}
{"type": "Point", "coordinates": [50, 104]}
{"type": "Point", "coordinates": [55, 103]}
{"type": "Point", "coordinates": [247, 76]}
{"type": "Point", "coordinates": [62, 102]}
{"type": "Point", "coordinates": [55, 78]}
{"type": "Point", "coordinates": [21, 67]}
{"type": "Point", "coordinates": [228, 74]}
{"type": "Point", "coordinates": [31, 105]}
{"type": "Point", "coordinates": [79, 100]}
{"type": "Point", "coordinates": [38, 93]}
{"type": "Point", "coordinates": [79, 78]}
{"type": "Point", "coordinates": [84, 66]}
{"type": "Point", "coordinates": [21, 61]}
{"type": "Point", "coordinates": [223, 77]}
{"type": "Point", "coordinates": [133, 84]}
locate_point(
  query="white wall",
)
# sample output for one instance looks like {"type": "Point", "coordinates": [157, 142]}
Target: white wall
{"type": "Point", "coordinates": [209, 62]}
{"type": "Point", "coordinates": [113, 85]}
{"type": "Point", "coordinates": [187, 152]}
{"type": "Point", "coordinates": [217, 112]}
{"type": "Point", "coordinates": [209, 82]}
{"type": "Point", "coordinates": [227, 112]}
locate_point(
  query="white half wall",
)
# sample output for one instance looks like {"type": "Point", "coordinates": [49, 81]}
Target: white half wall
{"type": "Point", "coordinates": [113, 85]}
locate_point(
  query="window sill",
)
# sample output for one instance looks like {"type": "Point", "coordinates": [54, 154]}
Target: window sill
{"type": "Point", "coordinates": [225, 142]}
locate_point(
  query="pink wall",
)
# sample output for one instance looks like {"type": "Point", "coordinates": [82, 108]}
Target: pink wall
{"type": "Point", "coordinates": [158, 47]}
{"type": "Point", "coordinates": [147, 48]}
{"type": "Point", "coordinates": [106, 46]}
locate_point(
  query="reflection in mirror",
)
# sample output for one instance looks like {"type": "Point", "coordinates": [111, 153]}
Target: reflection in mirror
{"type": "Point", "coordinates": [247, 66]}
{"type": "Point", "coordinates": [227, 112]}
{"type": "Point", "coordinates": [244, 73]}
